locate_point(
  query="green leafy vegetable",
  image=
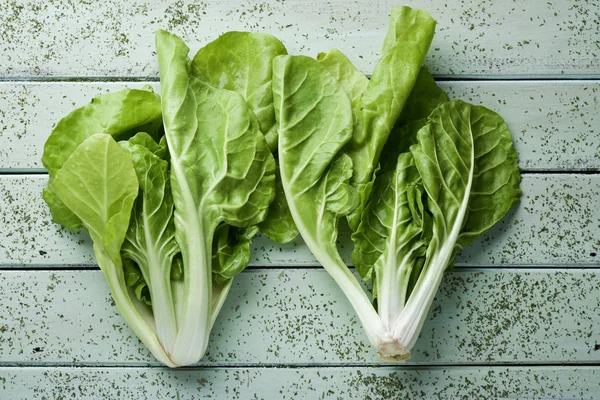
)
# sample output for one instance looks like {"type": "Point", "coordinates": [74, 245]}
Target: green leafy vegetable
{"type": "Point", "coordinates": [98, 184]}
{"type": "Point", "coordinates": [221, 171]}
{"type": "Point", "coordinates": [279, 224]}
{"type": "Point", "coordinates": [352, 81]}
{"type": "Point", "coordinates": [393, 78]}
{"type": "Point", "coordinates": [231, 251]}
{"type": "Point", "coordinates": [242, 62]}
{"type": "Point", "coordinates": [171, 217]}
{"type": "Point", "coordinates": [448, 174]}
{"type": "Point", "coordinates": [466, 167]}
{"type": "Point", "coordinates": [315, 122]}
{"type": "Point", "coordinates": [118, 114]}
{"type": "Point", "coordinates": [150, 239]}
{"type": "Point", "coordinates": [423, 99]}
{"type": "Point", "coordinates": [173, 205]}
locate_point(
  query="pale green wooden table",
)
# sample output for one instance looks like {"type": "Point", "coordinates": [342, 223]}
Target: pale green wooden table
{"type": "Point", "coordinates": [518, 318]}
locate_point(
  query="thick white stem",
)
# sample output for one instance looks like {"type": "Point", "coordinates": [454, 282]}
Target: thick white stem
{"type": "Point", "coordinates": [159, 282]}
{"type": "Point", "coordinates": [219, 294]}
{"type": "Point", "coordinates": [386, 275]}
{"type": "Point", "coordinates": [408, 326]}
{"type": "Point", "coordinates": [194, 324]}
{"type": "Point", "coordinates": [141, 326]}
{"type": "Point", "coordinates": [392, 285]}
{"type": "Point", "coordinates": [410, 322]}
{"type": "Point", "coordinates": [162, 302]}
{"type": "Point", "coordinates": [373, 325]}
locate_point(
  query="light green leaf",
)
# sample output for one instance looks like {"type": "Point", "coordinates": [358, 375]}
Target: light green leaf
{"type": "Point", "coordinates": [119, 114]}
{"type": "Point", "coordinates": [387, 216]}
{"type": "Point", "coordinates": [135, 280]}
{"type": "Point", "coordinates": [314, 123]}
{"type": "Point", "coordinates": [279, 224]}
{"type": "Point", "coordinates": [469, 169]}
{"type": "Point", "coordinates": [145, 140]}
{"type": "Point", "coordinates": [99, 185]}
{"type": "Point", "coordinates": [150, 240]}
{"type": "Point", "coordinates": [221, 171]}
{"type": "Point", "coordinates": [241, 61]}
{"type": "Point", "coordinates": [231, 251]}
{"type": "Point", "coordinates": [352, 81]}
{"type": "Point", "coordinates": [391, 236]}
{"type": "Point", "coordinates": [401, 18]}
{"type": "Point", "coordinates": [389, 87]}
{"type": "Point", "coordinates": [424, 98]}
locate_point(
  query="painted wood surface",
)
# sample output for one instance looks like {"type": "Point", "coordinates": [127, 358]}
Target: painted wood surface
{"type": "Point", "coordinates": [554, 124]}
{"type": "Point", "coordinates": [527, 327]}
{"type": "Point", "coordinates": [301, 383]}
{"type": "Point", "coordinates": [298, 316]}
{"type": "Point", "coordinates": [115, 38]}
{"type": "Point", "coordinates": [556, 224]}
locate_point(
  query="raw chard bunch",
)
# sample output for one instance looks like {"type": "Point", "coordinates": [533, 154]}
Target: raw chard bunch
{"type": "Point", "coordinates": [448, 173]}
{"type": "Point", "coordinates": [170, 190]}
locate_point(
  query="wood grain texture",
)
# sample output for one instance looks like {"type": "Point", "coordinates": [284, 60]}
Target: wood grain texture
{"type": "Point", "coordinates": [298, 316]}
{"type": "Point", "coordinates": [581, 383]}
{"type": "Point", "coordinates": [491, 333]}
{"type": "Point", "coordinates": [116, 38]}
{"type": "Point", "coordinates": [556, 224]}
{"type": "Point", "coordinates": [554, 124]}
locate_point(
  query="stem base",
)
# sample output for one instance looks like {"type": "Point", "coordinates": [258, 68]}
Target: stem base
{"type": "Point", "coordinates": [392, 352]}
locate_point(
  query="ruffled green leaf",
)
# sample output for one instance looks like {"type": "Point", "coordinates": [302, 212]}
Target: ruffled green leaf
{"type": "Point", "coordinates": [242, 62]}
{"type": "Point", "coordinates": [119, 114]}
{"type": "Point", "coordinates": [407, 42]}
{"type": "Point", "coordinates": [222, 171]}
{"type": "Point", "coordinates": [98, 184]}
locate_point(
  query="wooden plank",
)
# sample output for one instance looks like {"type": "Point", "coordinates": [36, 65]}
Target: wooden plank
{"type": "Point", "coordinates": [115, 38]}
{"type": "Point", "coordinates": [299, 316]}
{"type": "Point", "coordinates": [555, 224]}
{"type": "Point", "coordinates": [555, 124]}
{"type": "Point", "coordinates": [301, 383]}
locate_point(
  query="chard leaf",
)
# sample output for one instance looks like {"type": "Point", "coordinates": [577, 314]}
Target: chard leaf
{"type": "Point", "coordinates": [99, 185]}
{"type": "Point", "coordinates": [150, 239]}
{"type": "Point", "coordinates": [314, 122]}
{"type": "Point", "coordinates": [147, 141]}
{"type": "Point", "coordinates": [352, 81]}
{"type": "Point", "coordinates": [424, 98]}
{"type": "Point", "coordinates": [469, 170]}
{"type": "Point", "coordinates": [221, 171]}
{"type": "Point", "coordinates": [118, 114]}
{"type": "Point", "coordinates": [401, 18]}
{"type": "Point", "coordinates": [242, 62]}
{"type": "Point", "coordinates": [135, 280]}
{"type": "Point", "coordinates": [391, 236]}
{"type": "Point", "coordinates": [392, 218]}
{"type": "Point", "coordinates": [389, 87]}
{"type": "Point", "coordinates": [231, 251]}
{"type": "Point", "coordinates": [279, 224]}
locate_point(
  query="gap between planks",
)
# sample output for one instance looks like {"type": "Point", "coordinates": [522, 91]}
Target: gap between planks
{"type": "Point", "coordinates": [330, 366]}
{"type": "Point", "coordinates": [588, 171]}
{"type": "Point", "coordinates": [263, 268]}
{"type": "Point", "coordinates": [438, 78]}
